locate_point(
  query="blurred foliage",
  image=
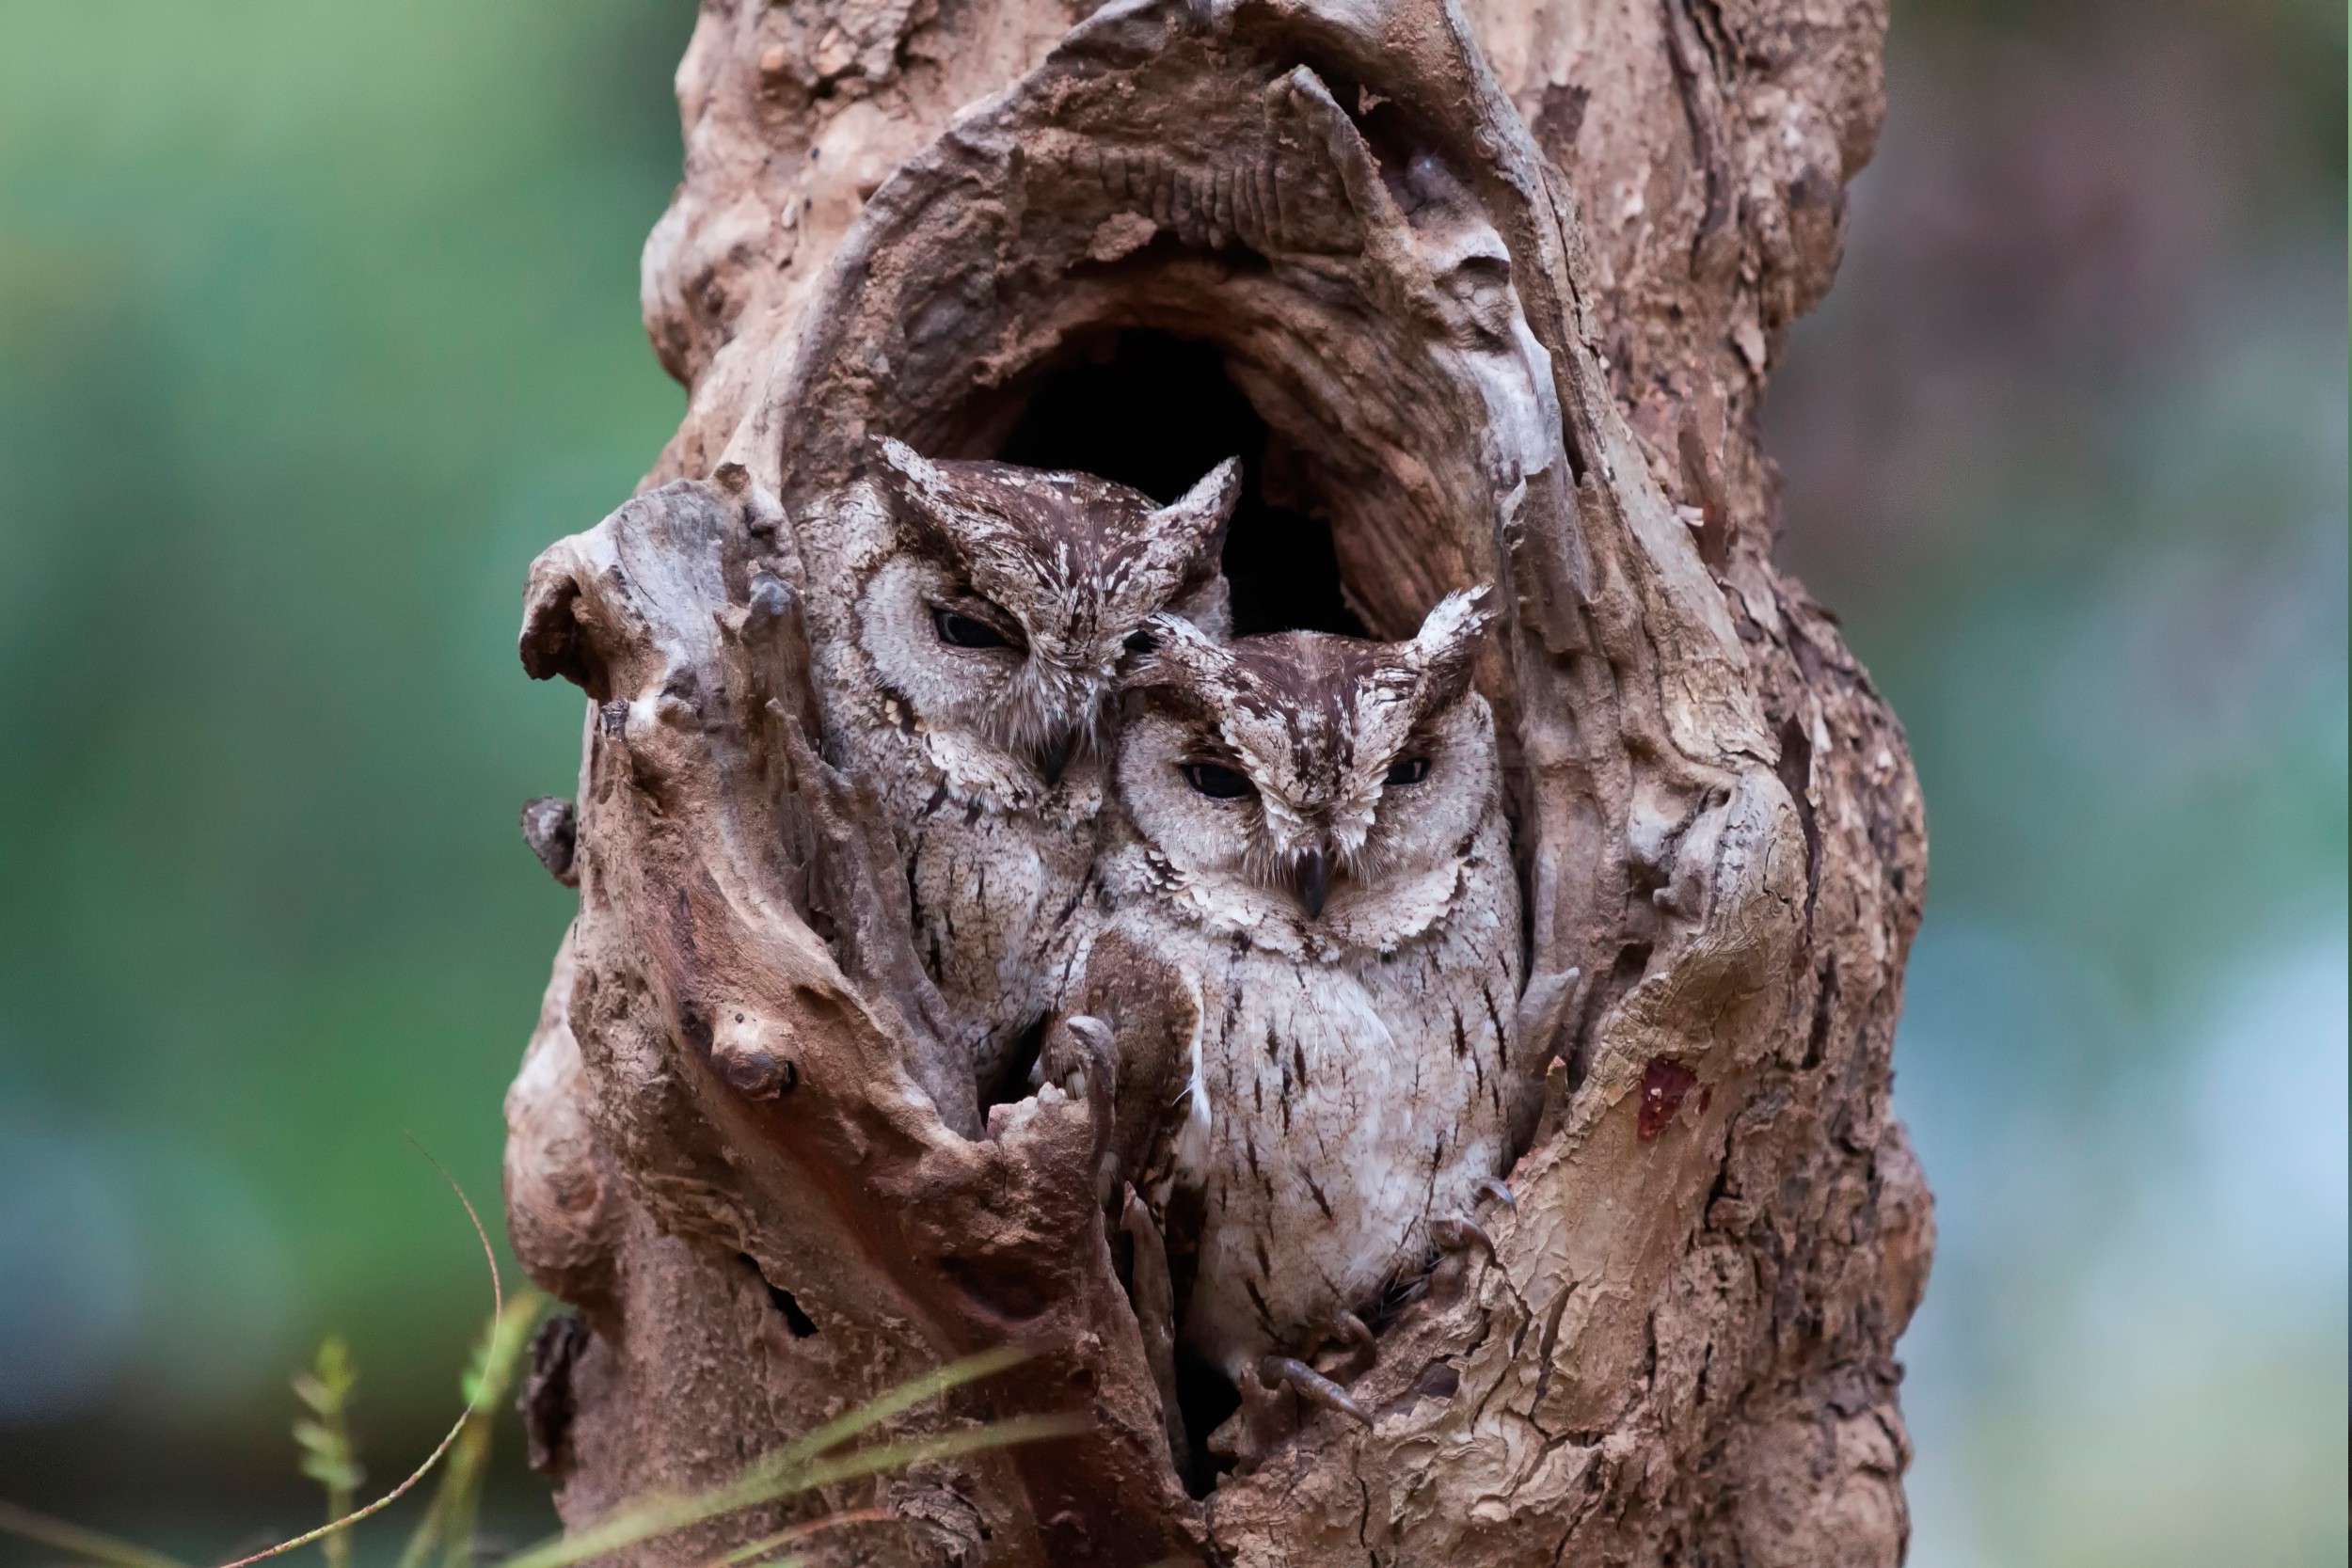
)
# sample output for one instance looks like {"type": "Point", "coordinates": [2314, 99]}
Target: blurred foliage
{"type": "Point", "coordinates": [317, 322]}
{"type": "Point", "coordinates": [2066, 446]}
{"type": "Point", "coordinates": [323, 1434]}
{"type": "Point", "coordinates": [808, 1463]}
{"type": "Point", "coordinates": [2288, 54]}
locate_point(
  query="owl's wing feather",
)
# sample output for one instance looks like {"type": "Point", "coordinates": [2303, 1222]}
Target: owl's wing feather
{"type": "Point", "coordinates": [1154, 1292]}
{"type": "Point", "coordinates": [1153, 1011]}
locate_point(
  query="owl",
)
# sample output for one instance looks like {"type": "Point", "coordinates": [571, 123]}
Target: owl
{"type": "Point", "coordinates": [1310, 838]}
{"type": "Point", "coordinates": [981, 613]}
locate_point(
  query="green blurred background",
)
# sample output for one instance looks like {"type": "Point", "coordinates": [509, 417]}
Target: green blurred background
{"type": "Point", "coordinates": [317, 321]}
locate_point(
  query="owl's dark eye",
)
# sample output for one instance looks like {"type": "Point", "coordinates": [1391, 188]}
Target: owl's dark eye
{"type": "Point", "coordinates": [1217, 783]}
{"type": "Point", "coordinates": [1406, 770]}
{"type": "Point", "coordinates": [959, 630]}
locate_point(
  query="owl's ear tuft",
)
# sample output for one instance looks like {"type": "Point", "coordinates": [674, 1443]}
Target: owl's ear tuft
{"type": "Point", "coordinates": [1178, 655]}
{"type": "Point", "coordinates": [903, 468]}
{"type": "Point", "coordinates": [918, 493]}
{"type": "Point", "coordinates": [1446, 647]}
{"type": "Point", "coordinates": [1181, 542]}
{"type": "Point", "coordinates": [1203, 510]}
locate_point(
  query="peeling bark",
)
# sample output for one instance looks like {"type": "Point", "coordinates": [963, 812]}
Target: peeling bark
{"type": "Point", "coordinates": [1504, 282]}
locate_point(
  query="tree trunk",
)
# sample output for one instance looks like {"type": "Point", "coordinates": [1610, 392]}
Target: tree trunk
{"type": "Point", "coordinates": [1502, 279]}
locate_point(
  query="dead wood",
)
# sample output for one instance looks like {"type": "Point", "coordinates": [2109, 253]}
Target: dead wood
{"type": "Point", "coordinates": [1504, 282]}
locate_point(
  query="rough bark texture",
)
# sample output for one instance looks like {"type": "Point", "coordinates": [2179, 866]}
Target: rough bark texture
{"type": "Point", "coordinates": [1506, 279]}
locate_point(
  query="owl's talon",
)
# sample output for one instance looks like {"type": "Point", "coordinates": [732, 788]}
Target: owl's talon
{"type": "Point", "coordinates": [1458, 1233]}
{"type": "Point", "coordinates": [1491, 1187]}
{"type": "Point", "coordinates": [1268, 1415]}
{"type": "Point", "coordinates": [1359, 1354]}
{"type": "Point", "coordinates": [1078, 1058]}
{"type": "Point", "coordinates": [1312, 1386]}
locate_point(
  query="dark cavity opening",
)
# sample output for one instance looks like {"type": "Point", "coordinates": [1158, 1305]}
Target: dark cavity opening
{"type": "Point", "coordinates": [1013, 1083]}
{"type": "Point", "coordinates": [800, 1325]}
{"type": "Point", "coordinates": [1155, 411]}
{"type": "Point", "coordinates": [1207, 1398]}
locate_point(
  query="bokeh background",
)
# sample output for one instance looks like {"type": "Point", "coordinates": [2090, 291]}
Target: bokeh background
{"type": "Point", "coordinates": [317, 321]}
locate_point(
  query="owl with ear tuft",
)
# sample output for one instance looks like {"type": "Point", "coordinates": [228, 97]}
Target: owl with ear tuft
{"type": "Point", "coordinates": [1310, 836]}
{"type": "Point", "coordinates": [979, 614]}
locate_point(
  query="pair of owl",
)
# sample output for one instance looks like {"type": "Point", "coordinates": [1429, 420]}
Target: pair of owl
{"type": "Point", "coordinates": [1302, 834]}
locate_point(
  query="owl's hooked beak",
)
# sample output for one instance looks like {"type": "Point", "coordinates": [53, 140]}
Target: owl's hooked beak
{"type": "Point", "coordinates": [1315, 881]}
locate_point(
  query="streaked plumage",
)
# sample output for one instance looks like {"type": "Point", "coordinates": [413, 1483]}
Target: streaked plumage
{"type": "Point", "coordinates": [973, 617]}
{"type": "Point", "coordinates": [1312, 836]}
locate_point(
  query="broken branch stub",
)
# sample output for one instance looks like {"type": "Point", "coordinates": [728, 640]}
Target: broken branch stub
{"type": "Point", "coordinates": [740, 1098]}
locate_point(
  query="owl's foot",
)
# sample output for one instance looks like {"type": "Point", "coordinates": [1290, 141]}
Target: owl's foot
{"type": "Point", "coordinates": [1076, 1057]}
{"type": "Point", "coordinates": [1312, 1386]}
{"type": "Point", "coordinates": [1457, 1238]}
{"type": "Point", "coordinates": [1455, 1234]}
{"type": "Point", "coordinates": [1355, 1355]}
{"type": "Point", "coordinates": [1268, 1415]}
{"type": "Point", "coordinates": [1271, 1394]}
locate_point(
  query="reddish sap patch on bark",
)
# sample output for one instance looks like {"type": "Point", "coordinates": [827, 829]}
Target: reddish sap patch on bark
{"type": "Point", "coordinates": [1664, 1084]}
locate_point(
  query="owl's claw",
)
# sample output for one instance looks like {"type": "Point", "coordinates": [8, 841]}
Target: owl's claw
{"type": "Point", "coordinates": [1268, 1415]}
{"type": "Point", "coordinates": [1312, 1386]}
{"type": "Point", "coordinates": [1456, 1237]}
{"type": "Point", "coordinates": [1076, 1060]}
{"type": "Point", "coordinates": [1077, 1056]}
{"type": "Point", "coordinates": [1491, 1187]}
{"type": "Point", "coordinates": [1458, 1233]}
{"type": "Point", "coordinates": [1359, 1353]}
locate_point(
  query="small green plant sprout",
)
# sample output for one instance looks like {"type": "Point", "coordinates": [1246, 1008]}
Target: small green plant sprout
{"type": "Point", "coordinates": [448, 1525]}
{"type": "Point", "coordinates": [324, 1436]}
{"type": "Point", "coordinates": [92, 1546]}
{"type": "Point", "coordinates": [806, 1464]}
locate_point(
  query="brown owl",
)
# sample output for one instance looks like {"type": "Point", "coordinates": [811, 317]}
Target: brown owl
{"type": "Point", "coordinates": [1311, 837]}
{"type": "Point", "coordinates": [973, 617]}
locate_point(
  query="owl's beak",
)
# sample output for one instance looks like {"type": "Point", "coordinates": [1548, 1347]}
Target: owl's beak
{"type": "Point", "coordinates": [1315, 881]}
{"type": "Point", "coordinates": [1056, 757]}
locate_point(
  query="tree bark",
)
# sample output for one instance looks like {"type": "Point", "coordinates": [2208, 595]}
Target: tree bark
{"type": "Point", "coordinates": [1504, 277]}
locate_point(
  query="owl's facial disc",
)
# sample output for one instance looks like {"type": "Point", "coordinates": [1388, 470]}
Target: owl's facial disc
{"type": "Point", "coordinates": [987, 668]}
{"type": "Point", "coordinates": [1027, 706]}
{"type": "Point", "coordinates": [1327, 769]}
{"type": "Point", "coordinates": [1028, 586]}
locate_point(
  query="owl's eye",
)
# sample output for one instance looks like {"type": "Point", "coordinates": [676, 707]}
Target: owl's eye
{"type": "Point", "coordinates": [1217, 783]}
{"type": "Point", "coordinates": [1408, 771]}
{"type": "Point", "coordinates": [959, 630]}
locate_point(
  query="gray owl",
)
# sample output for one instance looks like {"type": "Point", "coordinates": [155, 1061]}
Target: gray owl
{"type": "Point", "coordinates": [1314, 855]}
{"type": "Point", "coordinates": [979, 615]}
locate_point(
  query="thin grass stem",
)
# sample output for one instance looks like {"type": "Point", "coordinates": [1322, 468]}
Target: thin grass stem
{"type": "Point", "coordinates": [497, 1308]}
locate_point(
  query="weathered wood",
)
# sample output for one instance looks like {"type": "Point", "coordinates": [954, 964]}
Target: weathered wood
{"type": "Point", "coordinates": [1506, 280]}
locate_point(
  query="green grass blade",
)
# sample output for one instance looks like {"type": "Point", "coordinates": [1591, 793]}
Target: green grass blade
{"type": "Point", "coordinates": [498, 1306]}
{"type": "Point", "coordinates": [835, 1432]}
{"type": "Point", "coordinates": [919, 1450]}
{"type": "Point", "coordinates": [660, 1515]}
{"type": "Point", "coordinates": [759, 1550]}
{"type": "Point", "coordinates": [88, 1544]}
